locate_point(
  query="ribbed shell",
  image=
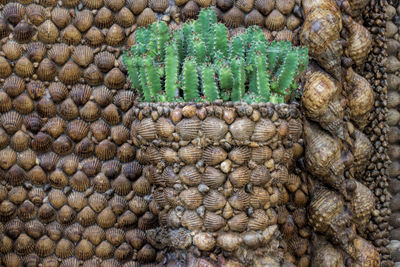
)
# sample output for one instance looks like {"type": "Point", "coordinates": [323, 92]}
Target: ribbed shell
{"type": "Point", "coordinates": [190, 10]}
{"type": "Point", "coordinates": [48, 32]}
{"type": "Point", "coordinates": [240, 200]}
{"type": "Point", "coordinates": [190, 154]}
{"type": "Point", "coordinates": [362, 203]}
{"type": "Point", "coordinates": [83, 20]}
{"type": "Point", "coordinates": [233, 18]}
{"type": "Point", "coordinates": [93, 4]}
{"type": "Point", "coordinates": [213, 222]}
{"type": "Point", "coordinates": [124, 100]}
{"type": "Point", "coordinates": [213, 178]}
{"type": "Point", "coordinates": [36, 14]}
{"type": "Point", "coordinates": [70, 73]}
{"type": "Point", "coordinates": [125, 17]}
{"type": "Point", "coordinates": [94, 37]}
{"type": "Point", "coordinates": [12, 50]}
{"type": "Point", "coordinates": [104, 18]}
{"type": "Point", "coordinates": [82, 55]}
{"type": "Point", "coordinates": [23, 68]}
{"type": "Point", "coordinates": [214, 128]}
{"type": "Point", "coordinates": [191, 198]}
{"type": "Point", "coordinates": [260, 175]}
{"type": "Point", "coordinates": [245, 5]}
{"type": "Point", "coordinates": [191, 220]}
{"type": "Point", "coordinates": [190, 176]}
{"type": "Point", "coordinates": [60, 17]}
{"type": "Point", "coordinates": [13, 12]}
{"type": "Point", "coordinates": [146, 17]}
{"type": "Point", "coordinates": [158, 6]}
{"type": "Point", "coordinates": [285, 6]}
{"type": "Point", "coordinates": [254, 18]}
{"type": "Point", "coordinates": [214, 201]}
{"type": "Point", "coordinates": [11, 122]}
{"type": "Point", "coordinates": [114, 79]}
{"type": "Point", "coordinates": [263, 130]}
{"type": "Point", "coordinates": [213, 155]}
{"type": "Point", "coordinates": [5, 102]}
{"type": "Point", "coordinates": [238, 222]}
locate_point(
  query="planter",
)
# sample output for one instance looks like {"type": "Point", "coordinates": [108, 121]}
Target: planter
{"type": "Point", "coordinates": [223, 176]}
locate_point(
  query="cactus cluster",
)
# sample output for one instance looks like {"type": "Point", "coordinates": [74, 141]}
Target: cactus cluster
{"type": "Point", "coordinates": [199, 63]}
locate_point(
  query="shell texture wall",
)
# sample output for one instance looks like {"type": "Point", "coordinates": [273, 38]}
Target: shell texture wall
{"type": "Point", "coordinates": [81, 183]}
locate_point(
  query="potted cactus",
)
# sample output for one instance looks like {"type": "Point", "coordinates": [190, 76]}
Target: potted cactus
{"type": "Point", "coordinates": [216, 143]}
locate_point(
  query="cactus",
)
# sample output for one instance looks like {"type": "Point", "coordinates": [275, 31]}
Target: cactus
{"type": "Point", "coordinates": [199, 61]}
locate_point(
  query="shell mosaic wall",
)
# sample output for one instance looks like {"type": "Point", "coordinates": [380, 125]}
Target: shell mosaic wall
{"type": "Point", "coordinates": [90, 177]}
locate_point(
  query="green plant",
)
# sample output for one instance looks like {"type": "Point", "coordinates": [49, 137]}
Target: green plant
{"type": "Point", "coordinates": [198, 63]}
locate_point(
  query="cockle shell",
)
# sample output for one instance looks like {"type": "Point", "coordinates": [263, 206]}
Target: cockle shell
{"type": "Point", "coordinates": [190, 10]}
{"type": "Point", "coordinates": [361, 98]}
{"type": "Point", "coordinates": [82, 55]}
{"type": "Point", "coordinates": [47, 70]}
{"type": "Point", "coordinates": [254, 18]}
{"type": "Point", "coordinates": [240, 200]}
{"type": "Point", "coordinates": [146, 17]}
{"type": "Point", "coordinates": [104, 18]}
{"type": "Point", "coordinates": [114, 79]}
{"type": "Point", "coordinates": [213, 155]}
{"type": "Point", "coordinates": [321, 34]}
{"type": "Point", "coordinates": [213, 222]}
{"type": "Point", "coordinates": [93, 4]}
{"type": "Point", "coordinates": [48, 32]}
{"type": "Point", "coordinates": [224, 5]}
{"type": "Point", "coordinates": [275, 21]}
{"type": "Point", "coordinates": [83, 20]}
{"type": "Point", "coordinates": [359, 42]}
{"type": "Point", "coordinates": [13, 12]}
{"type": "Point", "coordinates": [326, 255]}
{"type": "Point", "coordinates": [12, 50]}
{"type": "Point", "coordinates": [36, 14]}
{"type": "Point", "coordinates": [191, 198]}
{"type": "Point", "coordinates": [263, 131]}
{"type": "Point", "coordinates": [94, 37]}
{"type": "Point", "coordinates": [70, 73]}
{"type": "Point", "coordinates": [191, 220]}
{"type": "Point", "coordinates": [188, 128]}
{"type": "Point", "coordinates": [60, 17]}
{"type": "Point", "coordinates": [214, 128]}
{"type": "Point", "coordinates": [233, 18]}
{"type": "Point", "coordinates": [240, 155]}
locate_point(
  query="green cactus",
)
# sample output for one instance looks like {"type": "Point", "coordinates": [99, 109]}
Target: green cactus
{"type": "Point", "coordinates": [198, 63]}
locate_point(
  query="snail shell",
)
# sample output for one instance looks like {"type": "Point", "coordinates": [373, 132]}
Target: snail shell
{"type": "Point", "coordinates": [233, 18]}
{"type": "Point", "coordinates": [365, 253]}
{"type": "Point", "coordinates": [362, 150]}
{"type": "Point", "coordinates": [362, 203]}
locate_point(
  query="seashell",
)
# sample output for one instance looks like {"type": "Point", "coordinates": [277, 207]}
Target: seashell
{"type": "Point", "coordinates": [106, 218]}
{"type": "Point", "coordinates": [58, 179]}
{"type": "Point", "coordinates": [7, 210]}
{"type": "Point", "coordinates": [36, 195]}
{"type": "Point", "coordinates": [190, 10]}
{"type": "Point", "coordinates": [254, 18]}
{"type": "Point", "coordinates": [234, 17]}
{"type": "Point", "coordinates": [12, 259]}
{"type": "Point", "coordinates": [80, 94]}
{"type": "Point", "coordinates": [47, 70]}
{"type": "Point", "coordinates": [242, 129]}
{"type": "Point", "coordinates": [275, 21]}
{"type": "Point", "coordinates": [23, 68]}
{"type": "Point", "coordinates": [326, 255]}
{"type": "Point", "coordinates": [70, 3]}
{"type": "Point", "coordinates": [7, 158]}
{"type": "Point", "coordinates": [44, 246]}
{"type": "Point", "coordinates": [118, 204]}
{"type": "Point", "coordinates": [214, 128]}
{"type": "Point", "coordinates": [46, 108]}
{"type": "Point", "coordinates": [104, 18]}
{"type": "Point", "coordinates": [105, 150]}
{"type": "Point", "coordinates": [260, 176]}
{"type": "Point", "coordinates": [214, 201]}
{"type": "Point", "coordinates": [70, 73]}
{"type": "Point", "coordinates": [5, 102]}
{"type": "Point", "coordinates": [17, 195]}
{"type": "Point", "coordinates": [13, 13]}
{"type": "Point", "coordinates": [122, 185]}
{"type": "Point", "coordinates": [245, 5]}
{"type": "Point", "coordinates": [360, 41]}
{"type": "Point", "coordinates": [114, 5]}
{"type": "Point", "coordinates": [50, 261]}
{"type": "Point", "coordinates": [63, 145]}
{"type": "Point", "coordinates": [12, 50]}
{"type": "Point", "coordinates": [190, 176]}
{"type": "Point", "coordinates": [59, 53]}
{"type": "Point", "coordinates": [49, 161]}
{"type": "Point", "coordinates": [70, 262]}
{"type": "Point", "coordinates": [323, 41]}
{"type": "Point", "coordinates": [224, 5]}
{"type": "Point", "coordinates": [100, 130]}
{"type": "Point", "coordinates": [259, 220]}
{"type": "Point", "coordinates": [37, 176]}
{"type": "Point", "coordinates": [60, 17]}
{"type": "Point", "coordinates": [137, 7]}
{"type": "Point", "coordinates": [355, 7]}
{"type": "Point", "coordinates": [14, 228]}
{"type": "Point", "coordinates": [4, 138]}
{"type": "Point", "coordinates": [84, 250]}
{"type": "Point", "coordinates": [104, 250]}
{"type": "Point", "coordinates": [362, 203]}
{"type": "Point", "coordinates": [142, 186]}
{"type": "Point", "coordinates": [125, 17]}
{"type": "Point", "coordinates": [92, 75]}
{"type": "Point", "coordinates": [111, 115]}
{"type": "Point", "coordinates": [36, 14]}
{"type": "Point", "coordinates": [128, 218]}
{"type": "Point", "coordinates": [240, 200]}
{"type": "Point", "coordinates": [97, 202]}
{"type": "Point", "coordinates": [34, 229]}
{"type": "Point", "coordinates": [239, 222]}
{"type": "Point", "coordinates": [27, 211]}
{"type": "Point", "coordinates": [31, 260]}
{"type": "Point", "coordinates": [69, 164]}
{"type": "Point", "coordinates": [15, 175]}
{"type": "Point", "coordinates": [263, 131]}
{"type": "Point", "coordinates": [115, 236]}
{"type": "Point", "coordinates": [213, 222]}
{"type": "Point", "coordinates": [138, 205]}
{"type": "Point", "coordinates": [126, 153]}
{"type": "Point", "coordinates": [213, 178]}
{"type": "Point", "coordinates": [123, 252]}
{"type": "Point", "coordinates": [68, 110]}
{"type": "Point", "coordinates": [325, 205]}
{"type": "Point", "coordinates": [146, 17]}
{"type": "Point", "coordinates": [285, 6]}
{"type": "Point", "coordinates": [36, 89]}
{"type": "Point", "coordinates": [111, 168]}
{"type": "Point", "coordinates": [71, 35]}
{"type": "Point", "coordinates": [58, 91]}
{"type": "Point", "coordinates": [191, 198]}
{"type": "Point", "coordinates": [229, 241]}
{"type": "Point", "coordinates": [5, 68]}
{"type": "Point", "coordinates": [240, 176]}
{"type": "Point", "coordinates": [4, 29]}
{"type": "Point", "coordinates": [94, 37]}
{"type": "Point", "coordinates": [11, 122]}
{"type": "Point", "coordinates": [311, 5]}
{"type": "Point", "coordinates": [147, 129]}
{"type": "Point", "coordinates": [55, 127]}
{"type": "Point", "coordinates": [160, 6]}
{"type": "Point", "coordinates": [292, 22]}
{"type": "Point", "coordinates": [259, 197]}
{"type": "Point", "coordinates": [190, 154]}
{"type": "Point", "coordinates": [362, 151]}
{"type": "Point", "coordinates": [84, 19]}
{"type": "Point", "coordinates": [361, 98]}
{"type": "Point", "coordinates": [124, 100]}
{"type": "Point", "coordinates": [77, 200]}
{"type": "Point", "coordinates": [82, 55]}
{"type": "Point", "coordinates": [293, 182]}
{"type": "Point", "coordinates": [93, 4]}
{"type": "Point", "coordinates": [48, 32]}
{"type": "Point", "coordinates": [64, 248]}
{"type": "Point", "coordinates": [191, 220]}
{"type": "Point", "coordinates": [188, 128]}
{"type": "Point", "coordinates": [74, 232]}
{"type": "Point", "coordinates": [146, 254]}
{"type": "Point", "coordinates": [23, 32]}
{"type": "Point", "coordinates": [365, 253]}
{"type": "Point", "coordinates": [77, 130]}
{"type": "Point", "coordinates": [86, 216]}
{"type": "Point", "coordinates": [94, 234]}
{"type": "Point", "coordinates": [104, 61]}
{"type": "Point", "coordinates": [147, 221]}
{"type": "Point", "coordinates": [136, 238]}
{"type": "Point", "coordinates": [114, 79]}
{"type": "Point", "coordinates": [57, 199]}
{"type": "Point", "coordinates": [240, 155]}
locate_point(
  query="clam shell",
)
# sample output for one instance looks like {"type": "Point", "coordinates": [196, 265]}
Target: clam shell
{"type": "Point", "coordinates": [63, 145]}
{"type": "Point", "coordinates": [44, 246]}
{"type": "Point", "coordinates": [275, 21]}
{"type": "Point", "coordinates": [214, 201]}
{"type": "Point", "coordinates": [137, 6]}
{"type": "Point", "coordinates": [285, 6]}
{"type": "Point", "coordinates": [263, 130]}
{"type": "Point", "coordinates": [71, 35]}
{"type": "Point", "coordinates": [106, 218]}
{"type": "Point", "coordinates": [188, 128]}
{"type": "Point", "coordinates": [48, 32]}
{"type": "Point", "coordinates": [46, 108]}
{"type": "Point", "coordinates": [229, 241]}
{"type": "Point", "coordinates": [84, 250]}
{"type": "Point", "coordinates": [37, 176]}
{"type": "Point", "coordinates": [12, 50]}
{"type": "Point", "coordinates": [190, 154]}
{"type": "Point", "coordinates": [77, 130]}
{"type": "Point", "coordinates": [36, 14]}
{"type": "Point", "coordinates": [23, 68]}
{"type": "Point", "coordinates": [190, 10]}
{"type": "Point", "coordinates": [292, 22]}
{"type": "Point", "coordinates": [147, 221]}
{"type": "Point", "coordinates": [58, 179]}
{"type": "Point", "coordinates": [138, 205]}
{"type": "Point", "coordinates": [94, 234]}
{"type": "Point", "coordinates": [84, 148]}
{"type": "Point", "coordinates": [118, 204]}
{"type": "Point", "coordinates": [26, 159]}
{"type": "Point", "coordinates": [84, 19]}
{"type": "Point", "coordinates": [126, 153]}
{"type": "Point", "coordinates": [261, 154]}
{"type": "Point", "coordinates": [121, 185]}
{"type": "Point", "coordinates": [7, 210]}
{"type": "Point", "coordinates": [79, 181]}
{"type": "Point", "coordinates": [111, 115]}
{"type": "Point", "coordinates": [27, 211]}
{"type": "Point", "coordinates": [23, 244]}
{"type": "Point", "coordinates": [15, 175]}
{"type": "Point", "coordinates": [158, 6]}
{"type": "Point", "coordinates": [233, 18]}
{"type": "Point", "coordinates": [60, 17]}
{"type": "Point", "coordinates": [136, 238]}
{"type": "Point", "coordinates": [34, 229]}
{"type": "Point", "coordinates": [259, 197]}
{"type": "Point", "coordinates": [191, 198]}
{"type": "Point", "coordinates": [239, 222]}
{"type": "Point", "coordinates": [147, 129]}
{"type": "Point", "coordinates": [259, 220]}
{"type": "Point", "coordinates": [13, 13]}
{"type": "Point", "coordinates": [70, 3]}
{"type": "Point", "coordinates": [47, 70]}
{"type": "Point", "coordinates": [90, 112]}
{"type": "Point", "coordinates": [80, 94]}
{"type": "Point", "coordinates": [214, 128]}
{"type": "Point", "coordinates": [141, 186]}
{"type": "Point", "coordinates": [104, 18]}
{"type": "Point", "coordinates": [104, 61]}
{"type": "Point", "coordinates": [68, 110]}
{"type": "Point", "coordinates": [74, 232]}
{"type": "Point", "coordinates": [124, 100]}
{"type": "Point", "coordinates": [240, 176]}
{"type": "Point", "coordinates": [91, 166]}
{"type": "Point", "coordinates": [11, 122]}
{"type": "Point", "coordinates": [36, 89]}
{"type": "Point", "coordinates": [36, 195]}
{"type": "Point", "coordinates": [94, 37]}
{"type": "Point", "coordinates": [57, 198]}
{"type": "Point", "coordinates": [12, 259]}
{"type": "Point", "coordinates": [191, 220]}
{"type": "Point", "coordinates": [240, 155]}
{"type": "Point", "coordinates": [14, 228]}
{"type": "Point", "coordinates": [245, 5]}
{"type": "Point", "coordinates": [92, 75]}
{"type": "Point", "coordinates": [240, 200]}
{"type": "Point", "coordinates": [224, 5]}
{"type": "Point", "coordinates": [7, 158]}
{"type": "Point", "coordinates": [169, 155]}
{"type": "Point", "coordinates": [5, 70]}
{"type": "Point", "coordinates": [260, 176]}
{"type": "Point", "coordinates": [82, 55]}
{"type": "Point", "coordinates": [146, 17]}
{"type": "Point", "coordinates": [36, 51]}
{"type": "Point", "coordinates": [254, 18]}
{"type": "Point", "coordinates": [146, 254]}
{"type": "Point", "coordinates": [105, 150]}
{"type": "Point", "coordinates": [59, 53]}
{"type": "Point", "coordinates": [125, 18]}
{"type": "Point", "coordinates": [101, 183]}
{"type": "Point", "coordinates": [190, 176]}
{"type": "Point", "coordinates": [213, 178]}
{"type": "Point", "coordinates": [111, 168]}
{"type": "Point", "coordinates": [114, 79]}
{"type": "Point", "coordinates": [213, 222]}
{"type": "Point", "coordinates": [242, 129]}
{"type": "Point", "coordinates": [100, 130]}
{"type": "Point", "coordinates": [64, 248]}
{"type": "Point", "coordinates": [104, 250]}
{"type": "Point", "coordinates": [5, 102]}
{"type": "Point", "coordinates": [93, 4]}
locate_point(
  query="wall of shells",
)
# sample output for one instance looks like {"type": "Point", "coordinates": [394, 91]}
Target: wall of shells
{"type": "Point", "coordinates": [72, 189]}
{"type": "Point", "coordinates": [393, 79]}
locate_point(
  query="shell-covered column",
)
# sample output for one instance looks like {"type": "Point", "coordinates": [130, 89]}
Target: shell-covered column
{"type": "Point", "coordinates": [223, 178]}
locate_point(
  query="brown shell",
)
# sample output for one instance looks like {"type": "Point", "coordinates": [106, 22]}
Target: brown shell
{"type": "Point", "coordinates": [100, 130]}
{"type": "Point", "coordinates": [213, 222]}
{"type": "Point", "coordinates": [5, 68]}
{"type": "Point", "coordinates": [121, 185]}
{"type": "Point", "coordinates": [190, 10]}
{"type": "Point", "coordinates": [68, 110]}
{"type": "Point", "coordinates": [233, 18]}
{"type": "Point", "coordinates": [7, 158]}
{"type": "Point", "coordinates": [64, 248]}
{"type": "Point", "coordinates": [224, 5]}
{"type": "Point", "coordinates": [84, 19]}
{"type": "Point", "coordinates": [365, 253]}
{"type": "Point", "coordinates": [191, 198]}
{"type": "Point", "coordinates": [92, 75]}
{"type": "Point", "coordinates": [36, 195]}
{"type": "Point", "coordinates": [292, 22]}
{"type": "Point", "coordinates": [44, 246]}
{"type": "Point", "coordinates": [55, 127]}
{"type": "Point", "coordinates": [63, 145]}
{"type": "Point", "coordinates": [214, 201]}
{"type": "Point", "coordinates": [114, 79]}
{"type": "Point", "coordinates": [58, 91]}
{"type": "Point", "coordinates": [146, 17]}
{"type": "Point", "coordinates": [82, 55]}
{"type": "Point", "coordinates": [362, 151]}
{"type": "Point", "coordinates": [111, 115]}
{"type": "Point", "coordinates": [105, 61]}
{"type": "Point", "coordinates": [285, 6]}
{"type": "Point", "coordinates": [125, 18]}
{"type": "Point", "coordinates": [93, 4]}
{"type": "Point", "coordinates": [254, 18]}
{"type": "Point", "coordinates": [275, 21]}
{"type": "Point", "coordinates": [188, 128]}
{"type": "Point", "coordinates": [84, 250]}
{"type": "Point", "coordinates": [49, 161]}
{"type": "Point", "coordinates": [70, 73]}
{"type": "Point", "coordinates": [146, 254]}
{"type": "Point", "coordinates": [190, 154]}
{"type": "Point", "coordinates": [59, 53]}
{"type": "Point", "coordinates": [23, 104]}
{"type": "Point", "coordinates": [34, 229]}
{"type": "Point", "coordinates": [57, 198]}
{"type": "Point", "coordinates": [58, 179]}
{"type": "Point", "coordinates": [94, 37]}
{"type": "Point", "coordinates": [124, 99]}
{"type": "Point", "coordinates": [263, 130]}
{"type": "Point", "coordinates": [103, 96]}
{"type": "Point", "coordinates": [158, 6]}
{"type": "Point", "coordinates": [362, 203]}
{"type": "Point", "coordinates": [260, 175]}
{"type": "Point", "coordinates": [5, 102]}
{"type": "Point", "coordinates": [12, 50]}
{"type": "Point", "coordinates": [11, 122]}
{"type": "Point", "coordinates": [77, 130]}
{"type": "Point", "coordinates": [47, 70]}
{"type": "Point", "coordinates": [80, 94]}
{"type": "Point", "coordinates": [104, 18]}
{"type": "Point", "coordinates": [245, 5]}
{"type": "Point", "coordinates": [327, 255]}
{"type": "Point", "coordinates": [4, 138]}
{"type": "Point", "coordinates": [36, 14]}
{"type": "Point", "coordinates": [214, 128]}
{"type": "Point", "coordinates": [240, 200]}
{"type": "Point", "coordinates": [37, 176]}
{"type": "Point", "coordinates": [23, 67]}
{"type": "Point", "coordinates": [71, 35]}
{"type": "Point", "coordinates": [213, 178]}
{"type": "Point", "coordinates": [70, 3]}
{"type": "Point", "coordinates": [90, 112]}
{"type": "Point", "coordinates": [48, 32]}
{"type": "Point", "coordinates": [13, 13]}
{"type": "Point", "coordinates": [20, 141]}
{"type": "Point", "coordinates": [191, 220]}
{"type": "Point", "coordinates": [190, 176]}
{"type": "Point", "coordinates": [60, 17]}
{"type": "Point", "coordinates": [27, 159]}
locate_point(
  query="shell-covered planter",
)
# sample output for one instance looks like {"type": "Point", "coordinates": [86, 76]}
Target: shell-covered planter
{"type": "Point", "coordinates": [219, 172]}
